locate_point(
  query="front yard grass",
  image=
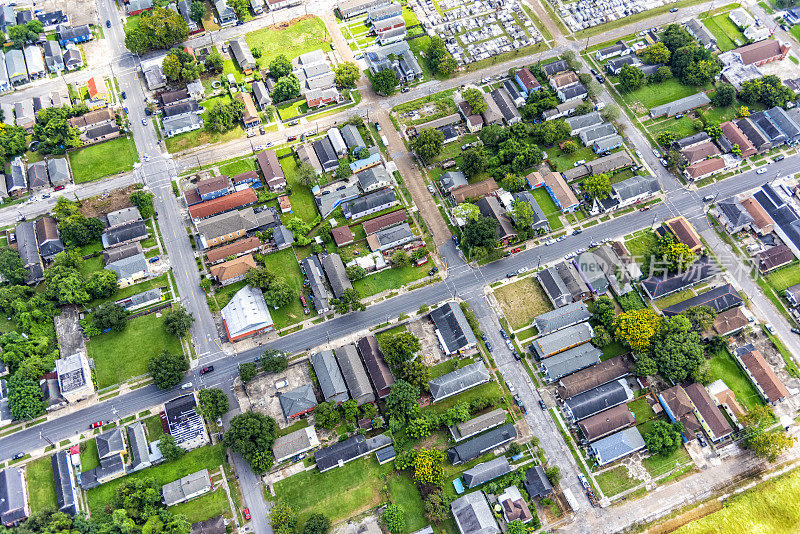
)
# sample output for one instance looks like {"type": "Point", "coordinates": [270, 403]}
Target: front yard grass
{"type": "Point", "coordinates": [209, 457]}
{"type": "Point", "coordinates": [103, 159]}
{"type": "Point", "coordinates": [202, 136]}
{"type": "Point", "coordinates": [120, 356]}
{"type": "Point", "coordinates": [404, 493]}
{"type": "Point", "coordinates": [206, 506]}
{"type": "Point", "coordinates": [784, 277]}
{"type": "Point", "coordinates": [616, 481]}
{"type": "Point", "coordinates": [125, 292]}
{"type": "Point", "coordinates": [393, 278]}
{"type": "Point", "coordinates": [549, 208]}
{"type": "Point", "coordinates": [522, 301]}
{"type": "Point", "coordinates": [154, 427]}
{"type": "Point", "coordinates": [238, 167]}
{"type": "Point", "coordinates": [723, 367]}
{"type": "Point", "coordinates": [658, 465]}
{"type": "Point", "coordinates": [301, 37]}
{"type": "Point", "coordinates": [284, 263]}
{"type": "Point", "coordinates": [652, 95]}
{"type": "Point", "coordinates": [224, 294]}
{"type": "Point", "coordinates": [89, 457]}
{"type": "Point", "coordinates": [41, 484]}
{"type": "Point", "coordinates": [640, 247]}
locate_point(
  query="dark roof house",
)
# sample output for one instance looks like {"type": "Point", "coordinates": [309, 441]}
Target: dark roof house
{"type": "Point", "coordinates": [330, 378]}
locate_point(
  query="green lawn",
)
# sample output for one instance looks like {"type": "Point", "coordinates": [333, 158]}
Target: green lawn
{"type": "Point", "coordinates": [154, 428]}
{"type": "Point", "coordinates": [769, 508]}
{"type": "Point", "coordinates": [299, 38]}
{"type": "Point", "coordinates": [292, 110]}
{"type": "Point", "coordinates": [409, 17]}
{"type": "Point", "coordinates": [96, 161]}
{"type": "Point", "coordinates": [120, 356]}
{"type": "Point", "coordinates": [490, 389]}
{"type": "Point", "coordinates": [564, 161]}
{"type": "Point", "coordinates": [393, 278]}
{"type": "Point", "coordinates": [658, 465]}
{"type": "Point", "coordinates": [784, 277]}
{"type": "Point", "coordinates": [652, 95]}
{"type": "Point", "coordinates": [125, 292]}
{"type": "Point", "coordinates": [224, 294]}
{"type": "Point", "coordinates": [404, 493]}
{"type": "Point", "coordinates": [615, 348]}
{"type": "Point", "coordinates": [723, 366]}
{"type": "Point", "coordinates": [640, 246]}
{"type": "Point", "coordinates": [674, 298]}
{"type": "Point", "coordinates": [238, 167]}
{"type": "Point", "coordinates": [549, 207]}
{"type": "Point", "coordinates": [641, 410]}
{"type": "Point", "coordinates": [338, 493]}
{"type": "Point", "coordinates": [522, 301]}
{"type": "Point", "coordinates": [205, 507]}
{"type": "Point", "coordinates": [209, 457]}
{"type": "Point", "coordinates": [302, 200]}
{"type": "Point", "coordinates": [725, 31]}
{"type": "Point", "coordinates": [616, 481]}
{"type": "Point", "coordinates": [91, 265]}
{"type": "Point", "coordinates": [449, 366]}
{"type": "Point", "coordinates": [202, 136]}
{"type": "Point", "coordinates": [41, 485]}
{"type": "Point", "coordinates": [283, 263]}
{"type": "Point", "coordinates": [89, 457]}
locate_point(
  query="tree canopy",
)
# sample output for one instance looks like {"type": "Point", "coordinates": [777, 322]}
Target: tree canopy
{"type": "Point", "coordinates": [428, 144]}
{"type": "Point", "coordinates": [213, 403]}
{"type": "Point", "coordinates": [347, 75]}
{"type": "Point", "coordinates": [663, 438]}
{"type": "Point", "coordinates": [167, 369]}
{"type": "Point", "coordinates": [384, 82]}
{"type": "Point", "coordinates": [252, 434]}
{"type": "Point", "coordinates": [474, 97]}
{"type": "Point", "coordinates": [159, 28]}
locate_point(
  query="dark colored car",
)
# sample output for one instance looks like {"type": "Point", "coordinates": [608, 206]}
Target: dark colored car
{"type": "Point", "coordinates": [153, 259]}
{"type": "Point", "coordinates": [19, 455]}
{"type": "Point", "coordinates": [124, 96]}
{"type": "Point", "coordinates": [779, 158]}
{"type": "Point", "coordinates": [488, 346]}
{"type": "Point", "coordinates": [600, 78]}
{"type": "Point", "coordinates": [108, 24]}
{"type": "Point", "coordinates": [576, 231]}
{"type": "Point", "coordinates": [796, 330]}
{"type": "Point", "coordinates": [542, 405]}
{"type": "Point", "coordinates": [205, 370]}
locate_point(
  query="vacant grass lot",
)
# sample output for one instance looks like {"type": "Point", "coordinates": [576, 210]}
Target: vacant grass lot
{"type": "Point", "coordinates": [284, 263]}
{"type": "Point", "coordinates": [238, 167]}
{"type": "Point", "coordinates": [640, 247]}
{"type": "Point", "coordinates": [393, 278]}
{"type": "Point", "coordinates": [549, 207]}
{"type": "Point", "coordinates": [725, 31]}
{"type": "Point", "coordinates": [641, 410]}
{"type": "Point", "coordinates": [522, 301]}
{"type": "Point", "coordinates": [658, 465]}
{"type": "Point", "coordinates": [769, 508]}
{"type": "Point", "coordinates": [89, 457]}
{"type": "Point", "coordinates": [653, 95]}
{"type": "Point", "coordinates": [301, 37]}
{"type": "Point", "coordinates": [209, 457]}
{"type": "Point", "coordinates": [723, 366]}
{"type": "Point", "coordinates": [125, 292]}
{"type": "Point", "coordinates": [120, 356]}
{"type": "Point", "coordinates": [616, 481]}
{"type": "Point", "coordinates": [97, 161]}
{"type": "Point", "coordinates": [41, 485]}
{"type": "Point", "coordinates": [564, 161]}
{"type": "Point", "coordinates": [202, 136]}
{"type": "Point", "coordinates": [206, 506]}
{"type": "Point", "coordinates": [785, 277]}
{"type": "Point", "coordinates": [302, 200]}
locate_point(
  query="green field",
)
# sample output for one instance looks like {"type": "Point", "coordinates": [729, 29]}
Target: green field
{"type": "Point", "coordinates": [103, 159]}
{"type": "Point", "coordinates": [120, 356]}
{"type": "Point", "coordinates": [723, 366]}
{"type": "Point", "coordinates": [522, 301]}
{"type": "Point", "coordinates": [206, 506]}
{"type": "Point", "coordinates": [769, 508]}
{"type": "Point", "coordinates": [549, 207]}
{"type": "Point", "coordinates": [209, 457]}
{"type": "Point", "coordinates": [564, 161]}
{"type": "Point", "coordinates": [283, 263]}
{"type": "Point", "coordinates": [238, 167]}
{"type": "Point", "coordinates": [725, 32]}
{"type": "Point", "coordinates": [653, 95]}
{"type": "Point", "coordinates": [393, 278]}
{"type": "Point", "coordinates": [302, 200]}
{"type": "Point", "coordinates": [785, 277]}
{"type": "Point", "coordinates": [89, 456]}
{"type": "Point", "coordinates": [41, 485]}
{"type": "Point", "coordinates": [616, 481]}
{"type": "Point", "coordinates": [299, 38]}
{"type": "Point", "coordinates": [640, 247]}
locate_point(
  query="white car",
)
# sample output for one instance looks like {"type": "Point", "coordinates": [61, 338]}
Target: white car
{"type": "Point", "coordinates": [270, 144]}
{"type": "Point", "coordinates": [522, 270]}
{"type": "Point", "coordinates": [187, 385]}
{"type": "Point", "coordinates": [258, 147]}
{"type": "Point", "coordinates": [761, 171]}
{"type": "Point", "coordinates": [431, 190]}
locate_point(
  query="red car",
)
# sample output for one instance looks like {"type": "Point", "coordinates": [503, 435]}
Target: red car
{"type": "Point", "coordinates": [644, 208]}
{"type": "Point", "coordinates": [246, 513]}
{"type": "Point", "coordinates": [205, 370]}
{"type": "Point", "coordinates": [97, 424]}
{"type": "Point", "coordinates": [303, 301]}
{"type": "Point", "coordinates": [515, 250]}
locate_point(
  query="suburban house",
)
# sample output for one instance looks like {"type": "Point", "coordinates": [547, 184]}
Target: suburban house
{"type": "Point", "coordinates": [561, 340]}
{"type": "Point", "coordinates": [473, 515]}
{"type": "Point", "coordinates": [617, 49]}
{"type": "Point", "coordinates": [335, 272]}
{"type": "Point", "coordinates": [459, 380]}
{"type": "Point", "coordinates": [233, 270]}
{"type": "Point", "coordinates": [66, 492]}
{"type": "Point", "coordinates": [596, 400]}
{"type": "Point", "coordinates": [14, 507]}
{"type": "Point", "coordinates": [561, 193]}
{"type": "Point", "coordinates": [297, 401]}
{"type": "Point", "coordinates": [760, 373]}
{"type": "Point", "coordinates": [186, 488]}
{"type": "Point", "coordinates": [330, 378]}
{"type": "Point", "coordinates": [733, 216]}
{"type": "Point", "coordinates": [490, 207]}
{"type": "Point", "coordinates": [354, 373]}
{"type": "Point", "coordinates": [379, 372]}
{"type": "Point", "coordinates": [390, 238]}
{"type": "Point", "coordinates": [295, 443]}
{"type": "Point", "coordinates": [184, 423]}
{"type": "Point", "coordinates": [719, 299]}
{"type": "Point", "coordinates": [110, 449]}
{"type": "Point", "coordinates": [685, 233]}
{"type": "Point", "coordinates": [242, 54]}
{"type": "Point", "coordinates": [452, 329]}
{"type": "Point", "coordinates": [369, 204]}
{"type": "Point", "coordinates": [476, 425]}
{"type": "Point", "coordinates": [602, 373]}
{"type": "Point", "coordinates": [697, 29]}
{"type": "Point", "coordinates": [320, 294]}
{"type": "Point", "coordinates": [474, 191]}
{"type": "Point", "coordinates": [606, 423]}
{"type": "Point", "coordinates": [47, 238]}
{"type": "Point", "coordinates": [682, 105]}
{"type": "Point", "coordinates": [140, 450]}
{"type": "Point", "coordinates": [246, 314]}
{"type": "Point", "coordinates": [514, 506]}
{"type": "Point", "coordinates": [617, 446]}
{"type": "Point", "coordinates": [353, 448]}
{"type": "Point", "coordinates": [536, 483]}
{"type": "Point", "coordinates": [250, 116]}
{"type": "Point", "coordinates": [227, 16]}
{"type": "Point", "coordinates": [74, 377]}
{"type": "Point", "coordinates": [708, 413]}
{"type": "Point", "coordinates": [658, 286]}
{"type": "Point", "coordinates": [561, 318]}
{"type": "Point", "coordinates": [774, 258]}
{"type": "Point", "coordinates": [271, 169]}
{"type": "Point", "coordinates": [473, 448]}
{"type": "Point", "coordinates": [217, 206]}
{"type": "Point", "coordinates": [397, 57]}
{"type": "Point", "coordinates": [73, 34]}
{"type": "Point", "coordinates": [569, 361]}
{"type": "Point", "coordinates": [485, 471]}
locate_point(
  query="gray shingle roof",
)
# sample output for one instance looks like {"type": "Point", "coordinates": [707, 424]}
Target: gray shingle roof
{"type": "Point", "coordinates": [719, 299]}
{"type": "Point", "coordinates": [473, 515]}
{"type": "Point", "coordinates": [12, 496]}
{"type": "Point", "coordinates": [617, 445]}
{"type": "Point", "coordinates": [140, 452]}
{"type": "Point", "coordinates": [66, 492]}
{"type": "Point", "coordinates": [355, 376]}
{"type": "Point", "coordinates": [486, 471]}
{"type": "Point", "coordinates": [297, 401]}
{"type": "Point", "coordinates": [635, 186]}
{"type": "Point", "coordinates": [127, 267]}
{"type": "Point", "coordinates": [459, 380]}
{"type": "Point", "coordinates": [479, 445]}
{"type": "Point", "coordinates": [554, 287]}
{"type": "Point", "coordinates": [570, 360]}
{"type": "Point", "coordinates": [378, 369]}
{"type": "Point", "coordinates": [335, 272]}
{"type": "Point", "coordinates": [560, 340]}
{"type": "Point", "coordinates": [294, 443]}
{"type": "Point", "coordinates": [563, 317]}
{"type": "Point", "coordinates": [452, 180]}
{"type": "Point", "coordinates": [358, 207]}
{"type": "Point", "coordinates": [110, 443]}
{"type": "Point", "coordinates": [596, 400]}
{"type": "Point", "coordinates": [536, 483]}
{"type": "Point", "coordinates": [681, 105]}
{"type": "Point", "coordinates": [329, 376]}
{"type": "Point", "coordinates": [348, 450]}
{"type": "Point", "coordinates": [478, 424]}
{"type": "Point", "coordinates": [453, 328]}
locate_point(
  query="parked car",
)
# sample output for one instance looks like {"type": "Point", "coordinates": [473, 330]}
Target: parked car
{"type": "Point", "coordinates": [144, 121]}
{"type": "Point", "coordinates": [246, 513]}
{"type": "Point", "coordinates": [522, 270]}
{"type": "Point", "coordinates": [762, 170]}
{"type": "Point", "coordinates": [153, 259]}
{"type": "Point", "coordinates": [511, 275]}
{"type": "Point", "coordinates": [708, 198]}
{"type": "Point", "coordinates": [124, 96]}
{"type": "Point", "coordinates": [656, 153]}
{"type": "Point", "coordinates": [433, 271]}
{"type": "Point", "coordinates": [664, 162]}
{"type": "Point", "coordinates": [778, 158]}
{"type": "Point", "coordinates": [187, 385]}
{"type": "Point", "coordinates": [19, 455]}
{"type": "Point", "coordinates": [542, 405]}
{"type": "Point", "coordinates": [594, 72]}
{"type": "Point", "coordinates": [503, 333]}
{"type": "Point", "coordinates": [600, 78]}
{"type": "Point", "coordinates": [577, 231]}
{"type": "Point", "coordinates": [431, 190]}
{"type": "Point", "coordinates": [108, 23]}
{"type": "Point", "coordinates": [644, 208]}
{"type": "Point", "coordinates": [796, 330]}
{"type": "Point", "coordinates": [377, 126]}
{"type": "Point", "coordinates": [770, 328]}
{"type": "Point", "coordinates": [96, 424]}
{"type": "Point", "coordinates": [673, 10]}
{"type": "Point", "coordinates": [488, 346]}
{"type": "Point", "coordinates": [205, 370]}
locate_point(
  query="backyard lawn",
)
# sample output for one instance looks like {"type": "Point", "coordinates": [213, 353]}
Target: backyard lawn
{"type": "Point", "coordinates": [723, 366]}
{"type": "Point", "coordinates": [301, 37]}
{"type": "Point", "coordinates": [206, 506]}
{"type": "Point", "coordinates": [549, 207]}
{"type": "Point", "coordinates": [616, 481]}
{"type": "Point", "coordinates": [393, 278]}
{"type": "Point", "coordinates": [641, 410]}
{"type": "Point", "coordinates": [769, 508]}
{"type": "Point", "coordinates": [125, 292]}
{"type": "Point", "coordinates": [564, 161]}
{"type": "Point", "coordinates": [522, 301]}
{"type": "Point", "coordinates": [224, 294]}
{"type": "Point", "coordinates": [96, 161]}
{"type": "Point", "coordinates": [91, 265]}
{"type": "Point", "coordinates": [302, 200]}
{"type": "Point", "coordinates": [640, 246]}
{"type": "Point", "coordinates": [283, 263]}
{"type": "Point", "coordinates": [120, 356]}
{"type": "Point", "coordinates": [209, 457]}
{"type": "Point", "coordinates": [41, 485]}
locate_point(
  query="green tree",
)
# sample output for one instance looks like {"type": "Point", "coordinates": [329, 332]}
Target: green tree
{"type": "Point", "coordinates": [180, 66]}
{"type": "Point", "coordinates": [677, 349]}
{"type": "Point", "coordinates": [252, 434]}
{"type": "Point", "coordinates": [224, 116]}
{"type": "Point", "coordinates": [666, 138]}
{"type": "Point", "coordinates": [481, 232]}
{"type": "Point", "coordinates": [347, 75]}
{"type": "Point", "coordinates": [663, 438]}
{"type": "Point", "coordinates": [25, 398]}
{"type": "Point", "coordinates": [214, 61]}
{"type": "Point", "coordinates": [701, 317]}
{"type": "Point", "coordinates": [213, 403]}
{"type": "Point", "coordinates": [474, 161]}
{"type": "Point", "coordinates": [474, 97]}
{"type": "Point", "coordinates": [350, 410]}
{"type": "Point", "coordinates": [400, 258]}
{"type": "Point", "coordinates": [326, 415]}
{"type": "Point", "coordinates": [399, 348]}
{"type": "Point", "coordinates": [553, 474]}
{"type": "Point", "coordinates": [287, 87]}
{"type": "Point", "coordinates": [467, 211]}
{"type": "Point", "coordinates": [384, 82]}
{"type": "Point", "coordinates": [597, 186]}
{"type": "Point", "coordinates": [764, 442]}
{"type": "Point", "coordinates": [394, 519]}
{"type": "Point", "coordinates": [512, 182]}
{"type": "Point", "coordinates": [102, 283]}
{"type": "Point", "coordinates": [603, 311]}
{"type": "Point", "coordinates": [522, 214]}
{"type": "Point", "coordinates": [280, 66]}
{"type": "Point", "coordinates": [143, 200]}
{"type": "Point", "coordinates": [260, 278]}
{"type": "Point", "coordinates": [242, 7]}
{"type": "Point", "coordinates": [11, 266]}
{"type": "Point", "coordinates": [428, 144]}
{"type": "Point", "coordinates": [248, 371]}
{"type": "Point", "coordinates": [110, 316]}
{"type": "Point", "coordinates": [274, 361]}
{"type": "Point", "coordinates": [724, 96]}
{"type": "Point", "coordinates": [679, 256]}
{"type": "Point", "coordinates": [675, 37]}
{"type": "Point", "coordinates": [439, 59]}
{"type": "Point", "coordinates": [661, 75]}
{"type": "Point", "coordinates": [159, 28]}
{"type": "Point", "coordinates": [401, 403]}
{"type": "Point", "coordinates": [713, 130]}
{"type": "Point", "coordinates": [631, 78]}
{"type": "Point", "coordinates": [306, 174]}
{"type": "Point", "coordinates": [53, 132]}
{"type": "Point", "coordinates": [279, 293]}
{"type": "Point", "coordinates": [317, 524]}
{"type": "Point", "coordinates": [197, 10]}
{"type": "Point", "coordinates": [516, 527]}
{"type": "Point", "coordinates": [569, 147]}
{"type": "Point", "coordinates": [282, 515]}
{"type": "Point", "coordinates": [416, 373]}
{"type": "Point", "coordinates": [656, 53]}
{"type": "Point", "coordinates": [355, 272]}
{"type": "Point", "coordinates": [167, 369]}
{"type": "Point", "coordinates": [65, 285]}
{"type": "Point", "coordinates": [636, 328]}
{"type": "Point", "coordinates": [169, 448]}
{"type": "Point", "coordinates": [601, 336]}
{"type": "Point", "coordinates": [178, 321]}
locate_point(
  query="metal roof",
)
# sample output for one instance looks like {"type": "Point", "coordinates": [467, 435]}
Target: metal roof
{"type": "Point", "coordinates": [598, 399]}
{"type": "Point", "coordinates": [329, 377]}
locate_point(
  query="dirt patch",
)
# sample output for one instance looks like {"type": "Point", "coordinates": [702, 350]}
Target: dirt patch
{"type": "Point", "coordinates": [79, 11]}
{"type": "Point", "coordinates": [522, 301]}
{"type": "Point", "coordinates": [285, 25]}
{"type": "Point", "coordinates": [263, 391]}
{"type": "Point", "coordinates": [673, 524]}
{"type": "Point", "coordinates": [107, 202]}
